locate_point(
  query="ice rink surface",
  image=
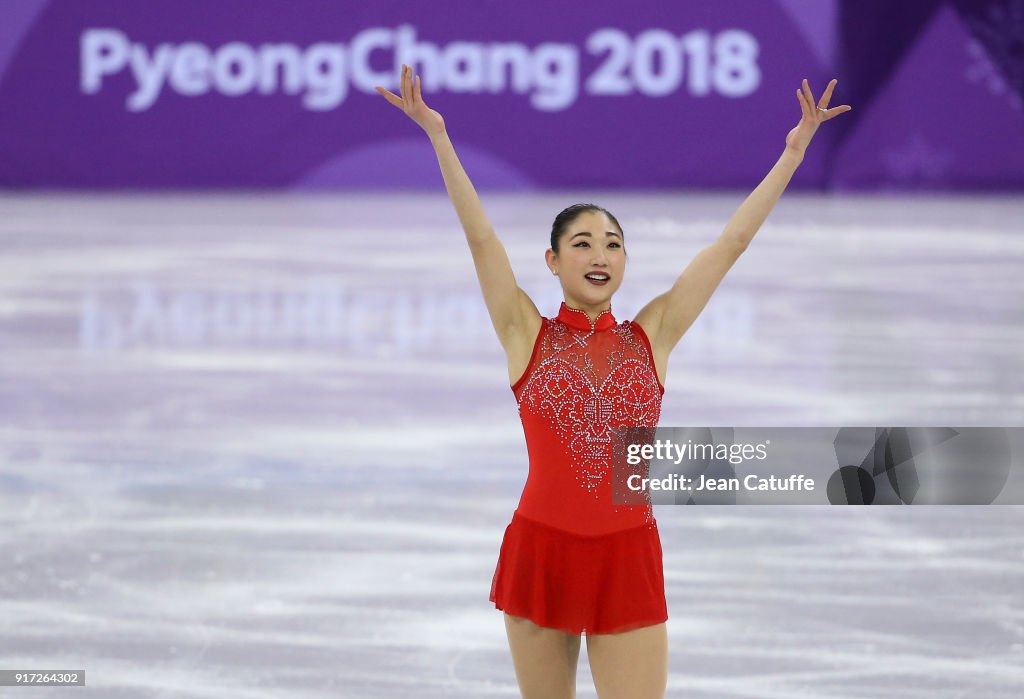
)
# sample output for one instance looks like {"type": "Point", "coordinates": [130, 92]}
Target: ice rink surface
{"type": "Point", "coordinates": [263, 446]}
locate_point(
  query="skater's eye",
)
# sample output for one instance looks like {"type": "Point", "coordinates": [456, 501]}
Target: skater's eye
{"type": "Point", "coordinates": [581, 244]}
{"type": "Point", "coordinates": [615, 245]}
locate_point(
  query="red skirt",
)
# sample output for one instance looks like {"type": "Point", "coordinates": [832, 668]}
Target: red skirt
{"type": "Point", "coordinates": [594, 584]}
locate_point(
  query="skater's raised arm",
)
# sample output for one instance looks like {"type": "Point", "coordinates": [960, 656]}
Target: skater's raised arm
{"type": "Point", "coordinates": [666, 318]}
{"type": "Point", "coordinates": [514, 316]}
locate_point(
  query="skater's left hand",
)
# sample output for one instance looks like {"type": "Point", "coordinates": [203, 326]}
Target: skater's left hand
{"type": "Point", "coordinates": [801, 135]}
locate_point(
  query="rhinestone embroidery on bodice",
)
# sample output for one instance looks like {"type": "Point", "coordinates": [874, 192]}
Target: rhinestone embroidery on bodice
{"type": "Point", "coordinates": [586, 377]}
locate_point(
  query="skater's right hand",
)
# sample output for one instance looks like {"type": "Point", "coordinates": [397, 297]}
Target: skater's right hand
{"type": "Point", "coordinates": [411, 102]}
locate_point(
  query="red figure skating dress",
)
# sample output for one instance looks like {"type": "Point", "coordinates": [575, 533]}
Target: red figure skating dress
{"type": "Point", "coordinates": [571, 559]}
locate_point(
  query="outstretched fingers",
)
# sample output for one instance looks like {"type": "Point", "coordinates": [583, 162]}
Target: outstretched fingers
{"type": "Point", "coordinates": [411, 88]}
{"type": "Point", "coordinates": [836, 111]}
{"type": "Point", "coordinates": [827, 95]}
{"type": "Point", "coordinates": [808, 94]}
{"type": "Point", "coordinates": [825, 98]}
{"type": "Point", "coordinates": [804, 107]}
{"type": "Point", "coordinates": [390, 96]}
{"type": "Point", "coordinates": [814, 111]}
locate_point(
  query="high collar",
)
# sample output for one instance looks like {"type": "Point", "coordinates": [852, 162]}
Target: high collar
{"type": "Point", "coordinates": [576, 318]}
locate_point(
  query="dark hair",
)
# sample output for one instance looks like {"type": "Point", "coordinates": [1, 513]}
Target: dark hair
{"type": "Point", "coordinates": [565, 218]}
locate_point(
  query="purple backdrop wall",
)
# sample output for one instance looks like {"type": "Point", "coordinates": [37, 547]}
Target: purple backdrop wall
{"type": "Point", "coordinates": [275, 94]}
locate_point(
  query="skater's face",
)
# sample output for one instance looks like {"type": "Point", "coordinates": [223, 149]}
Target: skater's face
{"type": "Point", "coordinates": [590, 261]}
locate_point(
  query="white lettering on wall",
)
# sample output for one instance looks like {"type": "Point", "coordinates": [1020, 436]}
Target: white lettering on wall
{"type": "Point", "coordinates": [323, 314]}
{"type": "Point", "coordinates": [655, 63]}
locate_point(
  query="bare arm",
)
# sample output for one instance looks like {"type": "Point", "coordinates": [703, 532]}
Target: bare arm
{"type": "Point", "coordinates": [514, 316]}
{"type": "Point", "coordinates": [512, 312]}
{"type": "Point", "coordinates": [668, 316]}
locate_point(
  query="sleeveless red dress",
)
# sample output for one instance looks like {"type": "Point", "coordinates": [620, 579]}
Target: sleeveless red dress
{"type": "Point", "coordinates": [570, 558]}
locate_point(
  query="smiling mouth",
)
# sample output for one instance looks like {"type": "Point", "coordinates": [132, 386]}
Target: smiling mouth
{"type": "Point", "coordinates": [597, 278]}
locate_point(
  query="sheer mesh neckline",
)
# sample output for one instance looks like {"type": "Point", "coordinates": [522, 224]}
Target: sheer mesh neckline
{"type": "Point", "coordinates": [577, 318]}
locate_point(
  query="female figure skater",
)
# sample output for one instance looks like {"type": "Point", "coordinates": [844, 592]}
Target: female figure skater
{"type": "Point", "coordinates": [571, 561]}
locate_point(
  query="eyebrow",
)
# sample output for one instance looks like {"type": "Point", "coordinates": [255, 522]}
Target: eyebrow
{"type": "Point", "coordinates": [587, 233]}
